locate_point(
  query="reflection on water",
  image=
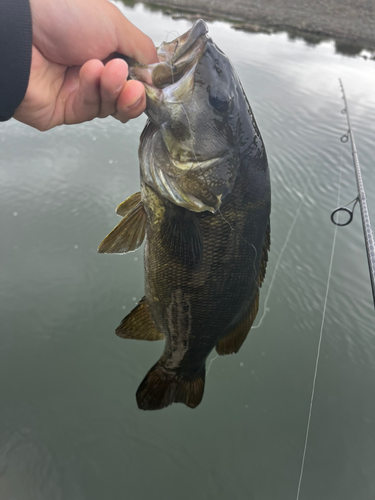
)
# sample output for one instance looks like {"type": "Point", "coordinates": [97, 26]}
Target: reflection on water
{"type": "Point", "coordinates": [342, 45]}
{"type": "Point", "coordinates": [68, 383]}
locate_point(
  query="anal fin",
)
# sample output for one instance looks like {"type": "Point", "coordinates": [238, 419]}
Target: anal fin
{"type": "Point", "coordinates": [129, 234]}
{"type": "Point", "coordinates": [138, 324]}
{"type": "Point", "coordinates": [232, 342]}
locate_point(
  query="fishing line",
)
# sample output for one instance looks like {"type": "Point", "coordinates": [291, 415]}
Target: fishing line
{"type": "Point", "coordinates": [247, 242]}
{"type": "Point", "coordinates": [203, 175]}
{"type": "Point", "coordinates": [172, 32]}
{"type": "Point", "coordinates": [281, 253]}
{"type": "Point", "coordinates": [219, 211]}
{"type": "Point", "coordinates": [231, 227]}
{"type": "Point", "coordinates": [296, 217]}
{"type": "Point", "coordinates": [200, 166]}
{"type": "Point", "coordinates": [210, 363]}
{"type": "Point", "coordinates": [320, 340]}
{"type": "Point", "coordinates": [188, 120]}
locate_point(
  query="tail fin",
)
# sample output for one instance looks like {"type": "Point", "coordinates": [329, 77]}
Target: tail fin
{"type": "Point", "coordinates": [161, 387]}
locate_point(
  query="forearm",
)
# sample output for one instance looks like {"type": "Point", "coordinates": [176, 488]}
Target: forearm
{"type": "Point", "coordinates": [15, 54]}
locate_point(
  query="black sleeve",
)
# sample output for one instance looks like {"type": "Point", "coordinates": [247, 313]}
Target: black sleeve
{"type": "Point", "coordinates": [15, 54]}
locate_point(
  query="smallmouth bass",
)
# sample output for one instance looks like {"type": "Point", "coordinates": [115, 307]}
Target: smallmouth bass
{"type": "Point", "coordinates": [203, 211]}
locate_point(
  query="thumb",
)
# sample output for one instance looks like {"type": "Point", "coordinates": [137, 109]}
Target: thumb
{"type": "Point", "coordinates": [131, 41]}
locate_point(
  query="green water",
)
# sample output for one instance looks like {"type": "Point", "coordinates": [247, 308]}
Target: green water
{"type": "Point", "coordinates": [69, 425]}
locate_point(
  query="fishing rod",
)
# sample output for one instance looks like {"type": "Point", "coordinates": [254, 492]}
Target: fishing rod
{"type": "Point", "coordinates": [361, 199]}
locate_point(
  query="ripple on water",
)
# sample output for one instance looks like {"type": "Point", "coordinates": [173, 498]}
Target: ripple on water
{"type": "Point", "coordinates": [27, 468]}
{"type": "Point", "coordinates": [60, 304]}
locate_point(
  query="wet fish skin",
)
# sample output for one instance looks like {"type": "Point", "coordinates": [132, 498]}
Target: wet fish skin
{"type": "Point", "coordinates": [197, 304]}
{"type": "Point", "coordinates": [205, 196]}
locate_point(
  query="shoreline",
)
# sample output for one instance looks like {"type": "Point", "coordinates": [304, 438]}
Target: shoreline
{"type": "Point", "coordinates": [351, 25]}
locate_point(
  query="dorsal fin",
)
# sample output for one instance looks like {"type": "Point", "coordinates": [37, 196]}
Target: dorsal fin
{"type": "Point", "coordinates": [129, 234]}
{"type": "Point", "coordinates": [138, 324]}
{"type": "Point", "coordinates": [128, 204]}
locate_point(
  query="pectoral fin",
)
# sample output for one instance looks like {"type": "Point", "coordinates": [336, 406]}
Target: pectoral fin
{"type": "Point", "coordinates": [138, 325]}
{"type": "Point", "coordinates": [182, 235]}
{"type": "Point", "coordinates": [128, 204]}
{"type": "Point", "coordinates": [129, 234]}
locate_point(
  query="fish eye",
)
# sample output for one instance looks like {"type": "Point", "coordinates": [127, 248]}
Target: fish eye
{"type": "Point", "coordinates": [218, 67]}
{"type": "Point", "coordinates": [219, 100]}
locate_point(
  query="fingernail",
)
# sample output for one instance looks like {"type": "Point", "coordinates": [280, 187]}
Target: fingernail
{"type": "Point", "coordinates": [135, 104]}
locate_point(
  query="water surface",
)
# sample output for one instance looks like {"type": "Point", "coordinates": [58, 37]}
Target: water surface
{"type": "Point", "coordinates": [69, 424]}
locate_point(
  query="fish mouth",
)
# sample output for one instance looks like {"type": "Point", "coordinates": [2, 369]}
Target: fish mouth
{"type": "Point", "coordinates": [172, 78]}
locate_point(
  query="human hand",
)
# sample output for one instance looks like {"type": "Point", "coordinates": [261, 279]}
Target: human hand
{"type": "Point", "coordinates": [71, 78]}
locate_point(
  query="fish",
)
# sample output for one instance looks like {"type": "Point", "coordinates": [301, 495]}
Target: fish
{"type": "Point", "coordinates": [203, 211]}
